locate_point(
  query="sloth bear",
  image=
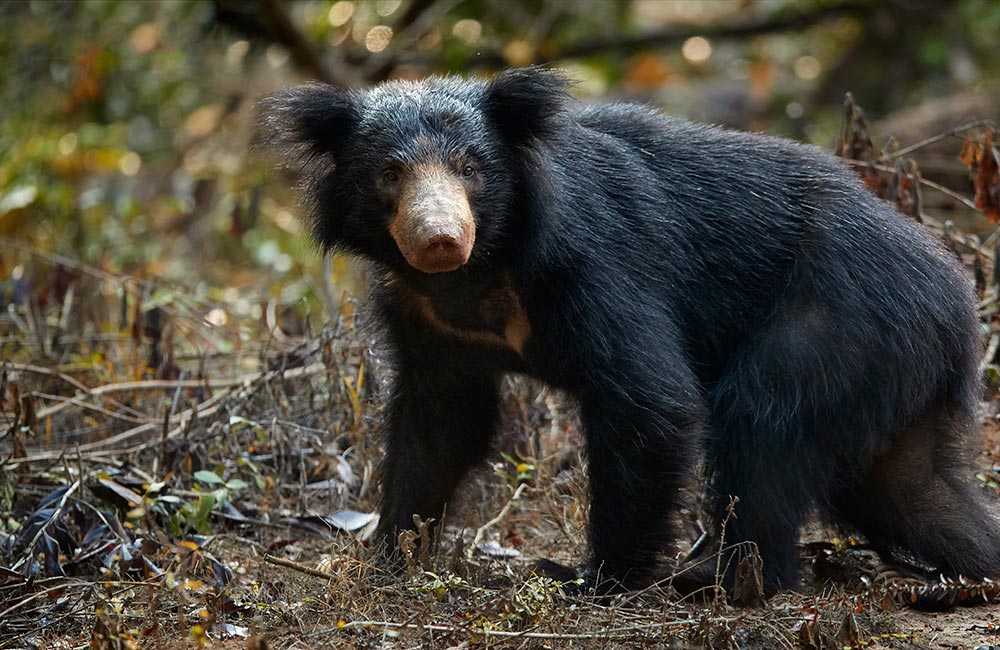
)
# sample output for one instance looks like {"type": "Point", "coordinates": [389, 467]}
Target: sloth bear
{"type": "Point", "coordinates": [711, 299]}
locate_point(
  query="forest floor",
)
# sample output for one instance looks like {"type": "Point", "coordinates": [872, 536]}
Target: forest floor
{"type": "Point", "coordinates": [152, 498]}
{"type": "Point", "coordinates": [196, 466]}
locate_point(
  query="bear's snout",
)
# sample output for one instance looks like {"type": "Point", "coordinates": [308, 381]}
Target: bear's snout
{"type": "Point", "coordinates": [433, 227]}
{"type": "Point", "coordinates": [440, 252]}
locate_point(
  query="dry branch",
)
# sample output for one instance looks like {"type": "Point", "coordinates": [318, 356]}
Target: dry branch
{"type": "Point", "coordinates": [316, 573]}
{"type": "Point", "coordinates": [481, 531]}
{"type": "Point", "coordinates": [625, 633]}
{"type": "Point", "coordinates": [204, 409]}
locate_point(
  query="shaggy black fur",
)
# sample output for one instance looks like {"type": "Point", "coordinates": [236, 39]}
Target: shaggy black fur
{"type": "Point", "coordinates": [705, 294]}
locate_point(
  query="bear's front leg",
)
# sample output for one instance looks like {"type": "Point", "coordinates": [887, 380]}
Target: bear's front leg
{"type": "Point", "coordinates": [439, 423]}
{"type": "Point", "coordinates": [641, 456]}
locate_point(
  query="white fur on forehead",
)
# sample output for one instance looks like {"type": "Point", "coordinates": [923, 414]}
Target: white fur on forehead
{"type": "Point", "coordinates": [441, 95]}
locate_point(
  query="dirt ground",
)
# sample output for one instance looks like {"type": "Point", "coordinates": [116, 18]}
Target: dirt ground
{"type": "Point", "coordinates": [241, 525]}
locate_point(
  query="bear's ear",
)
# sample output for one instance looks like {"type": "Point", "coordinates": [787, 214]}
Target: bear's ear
{"type": "Point", "coordinates": [524, 103]}
{"type": "Point", "coordinates": [309, 120]}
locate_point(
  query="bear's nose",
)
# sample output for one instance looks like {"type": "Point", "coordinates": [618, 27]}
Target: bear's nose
{"type": "Point", "coordinates": [433, 226]}
{"type": "Point", "coordinates": [441, 241]}
{"type": "Point", "coordinates": [442, 252]}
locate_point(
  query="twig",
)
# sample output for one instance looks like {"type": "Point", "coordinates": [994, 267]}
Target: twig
{"type": "Point", "coordinates": [968, 126]}
{"type": "Point", "coordinates": [767, 25]}
{"type": "Point", "coordinates": [40, 594]}
{"type": "Point", "coordinates": [52, 410]}
{"type": "Point", "coordinates": [55, 515]}
{"type": "Point", "coordinates": [544, 23]}
{"type": "Point", "coordinates": [719, 590]}
{"type": "Point", "coordinates": [481, 531]}
{"type": "Point", "coordinates": [128, 283]}
{"type": "Point", "coordinates": [69, 263]}
{"type": "Point", "coordinates": [949, 193]}
{"type": "Point", "coordinates": [66, 402]}
{"type": "Point", "coordinates": [171, 384]}
{"type": "Point", "coordinates": [991, 352]}
{"type": "Point", "coordinates": [208, 407]}
{"type": "Point", "coordinates": [696, 547]}
{"type": "Point", "coordinates": [316, 573]}
{"type": "Point", "coordinates": [610, 634]}
{"type": "Point", "coordinates": [159, 384]}
{"type": "Point", "coordinates": [923, 181]}
{"type": "Point", "coordinates": [40, 370]}
{"type": "Point", "coordinates": [651, 39]}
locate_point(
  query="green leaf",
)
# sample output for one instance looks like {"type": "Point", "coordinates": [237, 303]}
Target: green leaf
{"type": "Point", "coordinates": [206, 476]}
{"type": "Point", "coordinates": [205, 505]}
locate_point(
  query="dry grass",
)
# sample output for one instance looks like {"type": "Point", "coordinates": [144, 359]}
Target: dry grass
{"type": "Point", "coordinates": [161, 488]}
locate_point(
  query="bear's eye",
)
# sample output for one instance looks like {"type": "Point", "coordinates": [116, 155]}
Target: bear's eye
{"type": "Point", "coordinates": [468, 171]}
{"type": "Point", "coordinates": [389, 176]}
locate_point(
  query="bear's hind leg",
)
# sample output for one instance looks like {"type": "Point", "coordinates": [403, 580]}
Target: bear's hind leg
{"type": "Point", "coordinates": [918, 498]}
{"type": "Point", "coordinates": [776, 423]}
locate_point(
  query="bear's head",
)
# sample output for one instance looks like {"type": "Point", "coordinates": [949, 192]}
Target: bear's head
{"type": "Point", "coordinates": [414, 175]}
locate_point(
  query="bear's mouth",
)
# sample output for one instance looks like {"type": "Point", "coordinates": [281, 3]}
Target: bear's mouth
{"type": "Point", "coordinates": [433, 227]}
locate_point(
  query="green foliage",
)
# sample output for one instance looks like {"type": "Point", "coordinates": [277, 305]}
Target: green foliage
{"type": "Point", "coordinates": [515, 471]}
{"type": "Point", "coordinates": [126, 128]}
{"type": "Point", "coordinates": [196, 514]}
{"type": "Point", "coordinates": [533, 598]}
{"type": "Point", "coordinates": [126, 148]}
{"type": "Point", "coordinates": [443, 585]}
{"type": "Point", "coordinates": [527, 603]}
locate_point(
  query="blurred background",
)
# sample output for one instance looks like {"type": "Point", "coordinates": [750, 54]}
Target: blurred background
{"type": "Point", "coordinates": [125, 127]}
{"type": "Point", "coordinates": [169, 337]}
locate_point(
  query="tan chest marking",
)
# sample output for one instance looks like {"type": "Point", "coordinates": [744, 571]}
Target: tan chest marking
{"type": "Point", "coordinates": [500, 311]}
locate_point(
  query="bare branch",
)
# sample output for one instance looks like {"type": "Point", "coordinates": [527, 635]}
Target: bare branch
{"type": "Point", "coordinates": [651, 39]}
{"type": "Point", "coordinates": [305, 56]}
{"type": "Point", "coordinates": [767, 25]}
